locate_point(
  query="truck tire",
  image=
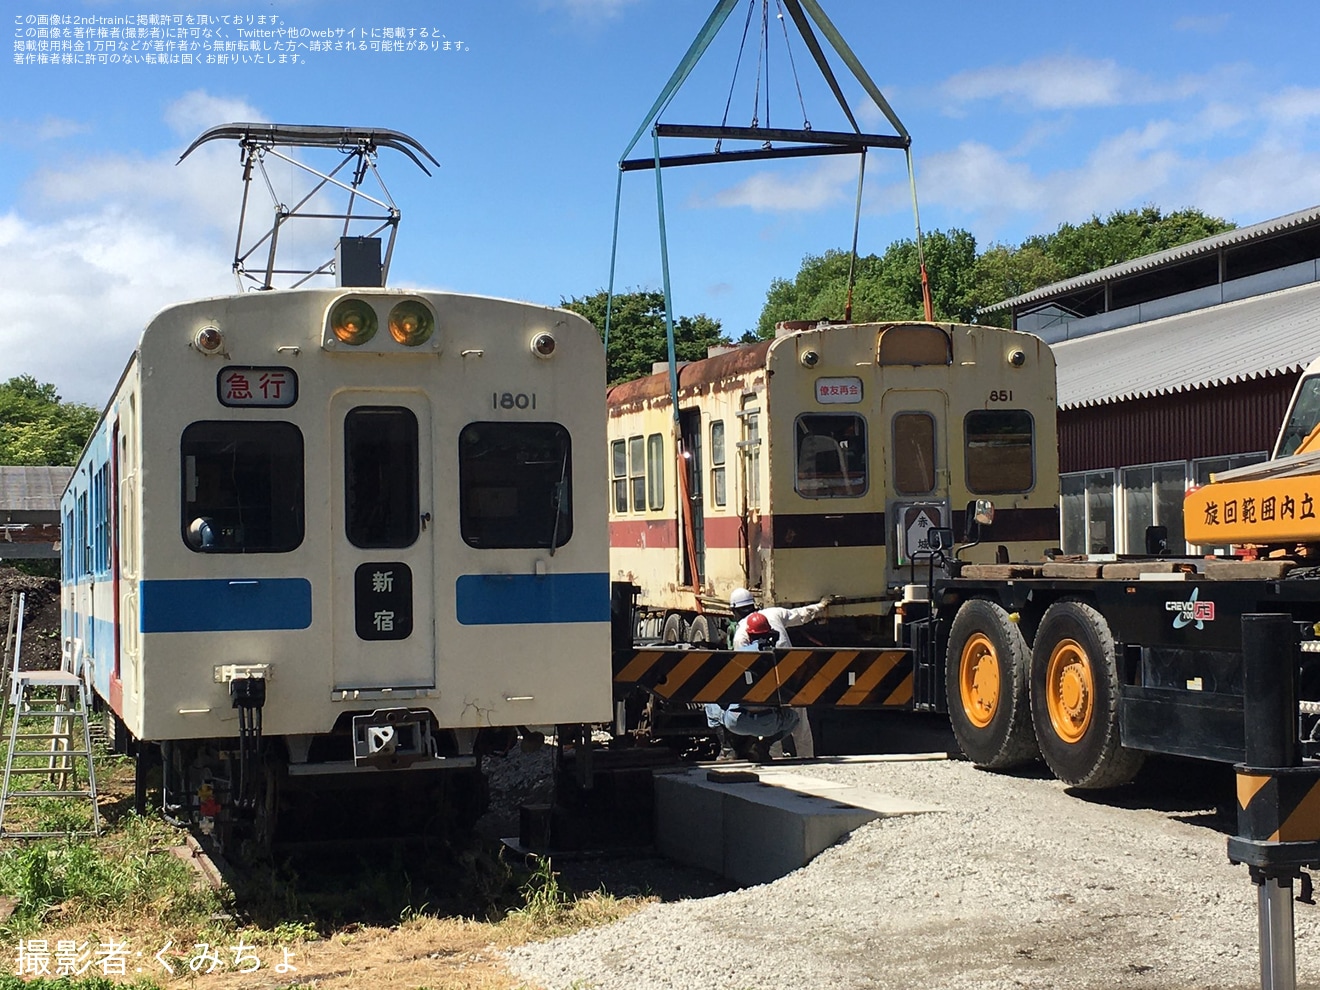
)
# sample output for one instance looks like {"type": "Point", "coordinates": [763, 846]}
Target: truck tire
{"type": "Point", "coordinates": [986, 681]}
{"type": "Point", "coordinates": [673, 629]}
{"type": "Point", "coordinates": [1075, 696]}
{"type": "Point", "coordinates": [698, 631]}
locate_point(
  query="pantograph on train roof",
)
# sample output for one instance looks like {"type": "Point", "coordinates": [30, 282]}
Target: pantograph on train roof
{"type": "Point", "coordinates": [365, 214]}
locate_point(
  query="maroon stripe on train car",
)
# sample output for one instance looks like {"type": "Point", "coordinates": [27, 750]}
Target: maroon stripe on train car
{"type": "Point", "coordinates": [644, 533]}
{"type": "Point", "coordinates": [843, 529]}
{"type": "Point", "coordinates": [1015, 525]}
{"type": "Point", "coordinates": [724, 532]}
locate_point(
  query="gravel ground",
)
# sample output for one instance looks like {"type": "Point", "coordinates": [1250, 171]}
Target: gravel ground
{"type": "Point", "coordinates": [1015, 883]}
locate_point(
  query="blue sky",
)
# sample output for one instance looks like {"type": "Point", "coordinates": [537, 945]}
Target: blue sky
{"type": "Point", "coordinates": [1023, 115]}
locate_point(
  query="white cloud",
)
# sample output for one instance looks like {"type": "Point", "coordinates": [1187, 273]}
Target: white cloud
{"type": "Point", "coordinates": [828, 184]}
{"type": "Point", "coordinates": [1064, 82]}
{"type": "Point", "coordinates": [108, 241]}
{"type": "Point", "coordinates": [198, 111]}
{"type": "Point", "coordinates": [1294, 106]}
{"type": "Point", "coordinates": [80, 290]}
{"type": "Point", "coordinates": [1052, 83]}
{"type": "Point", "coordinates": [48, 128]}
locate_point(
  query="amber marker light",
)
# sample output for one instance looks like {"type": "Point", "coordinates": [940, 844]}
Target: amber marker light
{"type": "Point", "coordinates": [411, 323]}
{"type": "Point", "coordinates": [353, 322]}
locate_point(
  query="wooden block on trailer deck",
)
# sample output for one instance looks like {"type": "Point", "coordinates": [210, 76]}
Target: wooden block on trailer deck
{"type": "Point", "coordinates": [1000, 572]}
{"type": "Point", "coordinates": [1134, 569]}
{"type": "Point", "coordinates": [1078, 569]}
{"type": "Point", "coordinates": [1247, 570]}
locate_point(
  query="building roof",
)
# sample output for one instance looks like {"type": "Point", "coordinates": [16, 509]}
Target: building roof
{"type": "Point", "coordinates": [1206, 245]}
{"type": "Point", "coordinates": [1236, 341]}
{"type": "Point", "coordinates": [28, 490]}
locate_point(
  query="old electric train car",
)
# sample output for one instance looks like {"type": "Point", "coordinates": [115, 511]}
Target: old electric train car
{"type": "Point", "coordinates": [322, 537]}
{"type": "Point", "coordinates": [814, 463]}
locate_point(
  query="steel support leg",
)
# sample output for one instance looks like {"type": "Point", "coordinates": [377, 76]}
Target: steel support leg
{"type": "Point", "coordinates": [1278, 961]}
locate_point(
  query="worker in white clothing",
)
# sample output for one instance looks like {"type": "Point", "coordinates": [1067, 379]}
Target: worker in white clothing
{"type": "Point", "coordinates": [780, 619]}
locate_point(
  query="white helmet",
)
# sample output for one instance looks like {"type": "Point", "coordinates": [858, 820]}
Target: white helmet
{"type": "Point", "coordinates": [741, 598]}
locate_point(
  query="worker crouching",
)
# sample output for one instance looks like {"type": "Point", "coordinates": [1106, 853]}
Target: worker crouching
{"type": "Point", "coordinates": [748, 732]}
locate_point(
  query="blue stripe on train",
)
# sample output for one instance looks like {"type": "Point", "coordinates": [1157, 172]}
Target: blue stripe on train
{"type": "Point", "coordinates": [510, 599]}
{"type": "Point", "coordinates": [226, 605]}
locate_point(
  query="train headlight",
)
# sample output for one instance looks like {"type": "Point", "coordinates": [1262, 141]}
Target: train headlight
{"type": "Point", "coordinates": [543, 345]}
{"type": "Point", "coordinates": [411, 323]}
{"type": "Point", "coordinates": [809, 359]}
{"type": "Point", "coordinates": [353, 322]}
{"type": "Point", "coordinates": [208, 340]}
{"type": "Point", "coordinates": [1017, 358]}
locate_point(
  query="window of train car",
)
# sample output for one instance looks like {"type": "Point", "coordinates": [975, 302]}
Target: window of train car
{"type": "Point", "coordinates": [637, 472]}
{"type": "Point", "coordinates": [515, 485]}
{"type": "Point", "coordinates": [718, 493]}
{"type": "Point", "coordinates": [750, 445]}
{"type": "Point", "coordinates": [619, 474]}
{"type": "Point", "coordinates": [84, 537]}
{"type": "Point", "coordinates": [655, 471]}
{"type": "Point", "coordinates": [1000, 451]}
{"type": "Point", "coordinates": [242, 487]}
{"type": "Point", "coordinates": [382, 504]}
{"type": "Point", "coordinates": [830, 455]}
{"type": "Point", "coordinates": [914, 453]}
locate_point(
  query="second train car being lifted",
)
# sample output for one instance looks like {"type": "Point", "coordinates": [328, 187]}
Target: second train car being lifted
{"type": "Point", "coordinates": [814, 464]}
{"type": "Point", "coordinates": [325, 540]}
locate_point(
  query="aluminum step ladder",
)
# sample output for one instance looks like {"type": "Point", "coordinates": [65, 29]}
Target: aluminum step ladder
{"type": "Point", "coordinates": [49, 740]}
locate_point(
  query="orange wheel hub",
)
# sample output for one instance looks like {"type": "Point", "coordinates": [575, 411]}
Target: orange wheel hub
{"type": "Point", "coordinates": [978, 680]}
{"type": "Point", "coordinates": [1070, 690]}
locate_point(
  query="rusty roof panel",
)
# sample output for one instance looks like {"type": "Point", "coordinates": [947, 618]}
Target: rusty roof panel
{"type": "Point", "coordinates": [692, 376]}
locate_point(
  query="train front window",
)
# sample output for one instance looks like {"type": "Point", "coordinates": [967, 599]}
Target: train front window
{"type": "Point", "coordinates": [913, 453]}
{"type": "Point", "coordinates": [382, 506]}
{"type": "Point", "coordinates": [515, 485]}
{"type": "Point", "coordinates": [242, 487]}
{"type": "Point", "coordinates": [1000, 451]}
{"type": "Point", "coordinates": [831, 455]}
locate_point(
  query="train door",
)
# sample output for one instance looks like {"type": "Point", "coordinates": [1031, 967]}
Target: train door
{"type": "Point", "coordinates": [382, 538]}
{"type": "Point", "coordinates": [693, 525]}
{"type": "Point", "coordinates": [749, 456]}
{"type": "Point", "coordinates": [915, 432]}
{"type": "Point", "coordinates": [128, 645]}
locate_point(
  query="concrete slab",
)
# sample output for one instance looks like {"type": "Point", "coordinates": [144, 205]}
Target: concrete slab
{"type": "Point", "coordinates": [755, 823]}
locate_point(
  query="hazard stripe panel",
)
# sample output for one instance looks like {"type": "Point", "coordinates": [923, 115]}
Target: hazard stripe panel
{"type": "Point", "coordinates": [800, 678]}
{"type": "Point", "coordinates": [1280, 805]}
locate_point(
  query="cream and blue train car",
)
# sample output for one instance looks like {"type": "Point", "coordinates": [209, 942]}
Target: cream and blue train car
{"type": "Point", "coordinates": [814, 464]}
{"type": "Point", "coordinates": [342, 537]}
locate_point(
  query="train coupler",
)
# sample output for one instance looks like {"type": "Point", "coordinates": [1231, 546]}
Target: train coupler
{"type": "Point", "coordinates": [389, 738]}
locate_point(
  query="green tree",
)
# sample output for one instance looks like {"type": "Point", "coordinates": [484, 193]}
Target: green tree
{"type": "Point", "coordinates": [887, 287]}
{"type": "Point", "coordinates": [962, 282]}
{"type": "Point", "coordinates": [36, 427]}
{"type": "Point", "coordinates": [1002, 272]}
{"type": "Point", "coordinates": [637, 331]}
{"type": "Point", "coordinates": [1122, 236]}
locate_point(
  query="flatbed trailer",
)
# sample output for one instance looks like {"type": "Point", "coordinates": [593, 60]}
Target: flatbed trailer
{"type": "Point", "coordinates": [1095, 664]}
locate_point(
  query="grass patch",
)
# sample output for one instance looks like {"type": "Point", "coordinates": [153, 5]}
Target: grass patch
{"type": "Point", "coordinates": [549, 911]}
{"type": "Point", "coordinates": [128, 877]}
{"type": "Point", "coordinates": [11, 982]}
{"type": "Point", "coordinates": [434, 914]}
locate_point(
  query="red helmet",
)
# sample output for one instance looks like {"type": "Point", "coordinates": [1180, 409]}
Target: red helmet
{"type": "Point", "coordinates": [758, 625]}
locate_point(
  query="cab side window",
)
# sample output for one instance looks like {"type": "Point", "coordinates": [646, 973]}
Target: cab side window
{"type": "Point", "coordinates": [242, 487]}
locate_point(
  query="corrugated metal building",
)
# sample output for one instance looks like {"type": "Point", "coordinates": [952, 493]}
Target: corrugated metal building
{"type": "Point", "coordinates": [30, 511]}
{"type": "Point", "coordinates": [1171, 367]}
